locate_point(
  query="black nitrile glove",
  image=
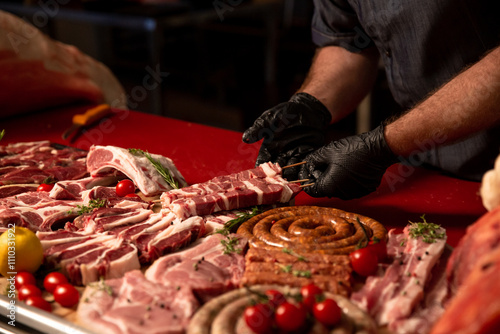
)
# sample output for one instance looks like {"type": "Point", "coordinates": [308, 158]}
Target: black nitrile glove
{"type": "Point", "coordinates": [348, 168]}
{"type": "Point", "coordinates": [291, 130]}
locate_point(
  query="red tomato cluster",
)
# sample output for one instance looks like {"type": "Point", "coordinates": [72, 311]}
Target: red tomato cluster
{"type": "Point", "coordinates": [56, 283]}
{"type": "Point", "coordinates": [291, 315]}
{"type": "Point", "coordinates": [365, 260]}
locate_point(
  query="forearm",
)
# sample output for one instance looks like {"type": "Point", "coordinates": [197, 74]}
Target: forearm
{"type": "Point", "coordinates": [468, 103]}
{"type": "Point", "coordinates": [341, 79]}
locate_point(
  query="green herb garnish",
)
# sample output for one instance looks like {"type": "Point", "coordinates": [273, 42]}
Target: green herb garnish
{"type": "Point", "coordinates": [93, 204]}
{"type": "Point", "coordinates": [297, 273]}
{"type": "Point", "coordinates": [290, 252]}
{"type": "Point", "coordinates": [229, 245]}
{"type": "Point", "coordinates": [162, 170]}
{"type": "Point", "coordinates": [428, 231]}
{"type": "Point", "coordinates": [101, 285]}
{"type": "Point", "coordinates": [302, 273]}
{"type": "Point", "coordinates": [286, 268]}
{"type": "Point", "coordinates": [2, 133]}
{"type": "Point", "coordinates": [232, 225]}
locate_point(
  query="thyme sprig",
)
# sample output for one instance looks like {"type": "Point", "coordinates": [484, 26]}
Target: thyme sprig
{"type": "Point", "coordinates": [162, 170]}
{"type": "Point", "coordinates": [232, 225]}
{"type": "Point", "coordinates": [101, 285]}
{"type": "Point", "coordinates": [229, 245]}
{"type": "Point", "coordinates": [428, 231]}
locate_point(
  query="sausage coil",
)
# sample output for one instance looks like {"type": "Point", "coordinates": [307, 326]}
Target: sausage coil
{"type": "Point", "coordinates": [310, 229]}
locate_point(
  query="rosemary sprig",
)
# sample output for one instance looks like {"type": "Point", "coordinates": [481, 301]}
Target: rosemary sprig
{"type": "Point", "coordinates": [290, 252]}
{"type": "Point", "coordinates": [162, 170]}
{"type": "Point", "coordinates": [233, 224]}
{"type": "Point", "coordinates": [2, 133]}
{"type": "Point", "coordinates": [93, 204]}
{"type": "Point", "coordinates": [365, 240]}
{"type": "Point", "coordinates": [229, 245]}
{"type": "Point", "coordinates": [428, 231]}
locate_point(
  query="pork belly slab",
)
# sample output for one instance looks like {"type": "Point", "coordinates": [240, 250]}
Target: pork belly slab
{"type": "Point", "coordinates": [394, 295]}
{"type": "Point", "coordinates": [259, 186]}
{"type": "Point", "coordinates": [103, 160]}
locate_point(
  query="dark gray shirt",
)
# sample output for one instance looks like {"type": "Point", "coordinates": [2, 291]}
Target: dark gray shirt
{"type": "Point", "coordinates": [423, 44]}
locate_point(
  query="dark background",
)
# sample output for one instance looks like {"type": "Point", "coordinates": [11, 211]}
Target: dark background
{"type": "Point", "coordinates": [228, 60]}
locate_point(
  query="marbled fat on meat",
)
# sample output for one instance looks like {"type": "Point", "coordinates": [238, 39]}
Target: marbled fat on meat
{"type": "Point", "coordinates": [136, 305]}
{"type": "Point", "coordinates": [204, 268]}
{"type": "Point", "coordinates": [33, 162]}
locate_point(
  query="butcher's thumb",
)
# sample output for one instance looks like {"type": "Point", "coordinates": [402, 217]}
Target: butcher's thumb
{"type": "Point", "coordinates": [256, 132]}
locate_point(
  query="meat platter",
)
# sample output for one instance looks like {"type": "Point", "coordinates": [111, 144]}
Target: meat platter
{"type": "Point", "coordinates": [171, 248]}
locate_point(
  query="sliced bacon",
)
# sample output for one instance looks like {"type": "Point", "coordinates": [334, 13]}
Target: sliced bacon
{"type": "Point", "coordinates": [259, 186]}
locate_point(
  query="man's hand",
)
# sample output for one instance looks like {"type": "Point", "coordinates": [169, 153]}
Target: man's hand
{"type": "Point", "coordinates": [290, 131]}
{"type": "Point", "coordinates": [350, 167]}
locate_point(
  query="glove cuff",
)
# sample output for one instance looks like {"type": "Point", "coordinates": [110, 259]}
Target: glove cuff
{"type": "Point", "coordinates": [314, 105]}
{"type": "Point", "coordinates": [380, 144]}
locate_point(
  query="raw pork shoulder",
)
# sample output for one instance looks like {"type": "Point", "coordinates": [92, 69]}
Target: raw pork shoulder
{"type": "Point", "coordinates": [49, 73]}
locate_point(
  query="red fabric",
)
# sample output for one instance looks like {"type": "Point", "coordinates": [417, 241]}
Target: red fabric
{"type": "Point", "coordinates": [202, 152]}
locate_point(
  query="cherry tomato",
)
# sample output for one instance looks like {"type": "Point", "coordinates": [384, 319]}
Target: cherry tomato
{"type": "Point", "coordinates": [45, 187]}
{"type": "Point", "coordinates": [125, 187]}
{"type": "Point", "coordinates": [275, 297]}
{"type": "Point", "coordinates": [290, 316]}
{"type": "Point", "coordinates": [309, 293]}
{"type": "Point", "coordinates": [39, 302]}
{"type": "Point", "coordinates": [364, 261]}
{"type": "Point", "coordinates": [259, 317]}
{"type": "Point", "coordinates": [24, 277]}
{"type": "Point", "coordinates": [28, 290]}
{"type": "Point", "coordinates": [379, 248]}
{"type": "Point", "coordinates": [52, 280]}
{"type": "Point", "coordinates": [327, 312]}
{"type": "Point", "coordinates": [66, 295]}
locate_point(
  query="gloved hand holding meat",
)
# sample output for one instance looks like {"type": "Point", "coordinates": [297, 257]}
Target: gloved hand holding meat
{"type": "Point", "coordinates": [290, 130]}
{"type": "Point", "coordinates": [350, 167]}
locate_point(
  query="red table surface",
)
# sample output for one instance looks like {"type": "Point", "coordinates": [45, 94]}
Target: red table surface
{"type": "Point", "coordinates": [201, 152]}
